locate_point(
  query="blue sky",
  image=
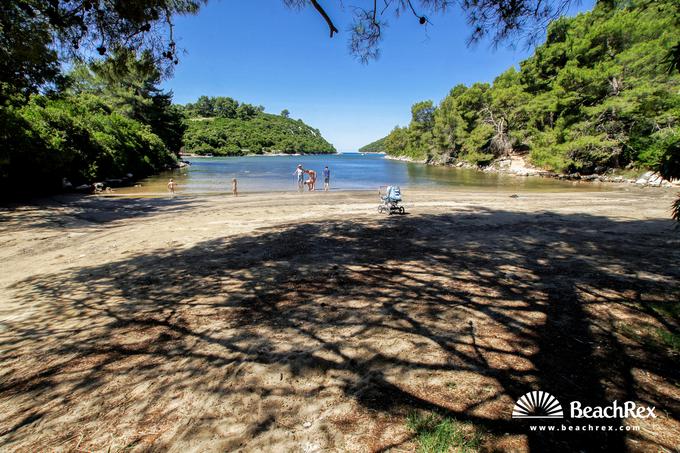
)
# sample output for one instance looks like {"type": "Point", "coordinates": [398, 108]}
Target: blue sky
{"type": "Point", "coordinates": [259, 52]}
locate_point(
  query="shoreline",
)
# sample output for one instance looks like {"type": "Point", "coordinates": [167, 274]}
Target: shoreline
{"type": "Point", "coordinates": [576, 187]}
{"type": "Point", "coordinates": [515, 165]}
{"type": "Point", "coordinates": [261, 155]}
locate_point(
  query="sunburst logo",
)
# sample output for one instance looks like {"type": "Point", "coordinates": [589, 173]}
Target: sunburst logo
{"type": "Point", "coordinates": [537, 404]}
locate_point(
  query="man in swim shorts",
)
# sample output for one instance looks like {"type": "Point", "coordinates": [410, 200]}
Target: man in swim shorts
{"type": "Point", "coordinates": [326, 178]}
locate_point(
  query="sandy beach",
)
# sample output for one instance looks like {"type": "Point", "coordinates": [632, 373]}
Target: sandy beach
{"type": "Point", "coordinates": [309, 322]}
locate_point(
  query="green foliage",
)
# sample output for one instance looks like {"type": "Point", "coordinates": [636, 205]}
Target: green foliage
{"type": "Point", "coordinates": [435, 434]}
{"type": "Point", "coordinates": [78, 137]}
{"type": "Point", "coordinates": [663, 152]}
{"type": "Point", "coordinates": [594, 96]}
{"type": "Point", "coordinates": [27, 61]}
{"type": "Point", "coordinates": [377, 146]}
{"type": "Point", "coordinates": [223, 107]}
{"type": "Point", "coordinates": [246, 129]}
{"type": "Point", "coordinates": [129, 84]}
{"type": "Point", "coordinates": [402, 142]}
{"type": "Point", "coordinates": [109, 120]}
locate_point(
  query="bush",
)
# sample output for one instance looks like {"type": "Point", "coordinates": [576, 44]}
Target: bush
{"type": "Point", "coordinates": [663, 152]}
{"type": "Point", "coordinates": [78, 138]}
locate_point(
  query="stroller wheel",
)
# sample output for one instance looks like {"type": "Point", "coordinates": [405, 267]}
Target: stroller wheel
{"type": "Point", "coordinates": [401, 210]}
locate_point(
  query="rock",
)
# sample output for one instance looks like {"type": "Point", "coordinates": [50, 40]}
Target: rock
{"type": "Point", "coordinates": [66, 184]}
{"type": "Point", "coordinates": [442, 159]}
{"type": "Point", "coordinates": [98, 186]}
{"type": "Point", "coordinates": [655, 180]}
{"type": "Point", "coordinates": [642, 180]}
{"type": "Point", "coordinates": [504, 164]}
{"type": "Point", "coordinates": [84, 188]}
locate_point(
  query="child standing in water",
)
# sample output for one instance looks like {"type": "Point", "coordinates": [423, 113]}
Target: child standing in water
{"type": "Point", "coordinates": [171, 186]}
{"type": "Point", "coordinates": [299, 173]}
{"type": "Point", "coordinates": [234, 189]}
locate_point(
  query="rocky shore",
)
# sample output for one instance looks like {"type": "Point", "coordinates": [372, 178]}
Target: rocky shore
{"type": "Point", "coordinates": [517, 165]}
{"type": "Point", "coordinates": [107, 184]}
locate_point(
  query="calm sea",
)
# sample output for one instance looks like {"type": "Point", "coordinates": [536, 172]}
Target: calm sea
{"type": "Point", "coordinates": [349, 171]}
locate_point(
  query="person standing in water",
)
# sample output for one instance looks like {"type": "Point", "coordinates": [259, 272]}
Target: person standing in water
{"type": "Point", "coordinates": [311, 182]}
{"type": "Point", "coordinates": [300, 173]}
{"type": "Point", "coordinates": [171, 186]}
{"type": "Point", "coordinates": [234, 188]}
{"type": "Point", "coordinates": [326, 178]}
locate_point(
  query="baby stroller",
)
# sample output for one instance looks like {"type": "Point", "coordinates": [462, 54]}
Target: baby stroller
{"type": "Point", "coordinates": [390, 200]}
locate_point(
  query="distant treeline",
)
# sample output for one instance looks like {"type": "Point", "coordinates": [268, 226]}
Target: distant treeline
{"type": "Point", "coordinates": [223, 126]}
{"type": "Point", "coordinates": [377, 146]}
{"type": "Point", "coordinates": [109, 120]}
{"type": "Point", "coordinates": [596, 95]}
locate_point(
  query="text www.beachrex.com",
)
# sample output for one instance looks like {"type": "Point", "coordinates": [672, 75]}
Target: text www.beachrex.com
{"type": "Point", "coordinates": [582, 428]}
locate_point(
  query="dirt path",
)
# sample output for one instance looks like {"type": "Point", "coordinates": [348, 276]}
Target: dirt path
{"type": "Point", "coordinates": [311, 323]}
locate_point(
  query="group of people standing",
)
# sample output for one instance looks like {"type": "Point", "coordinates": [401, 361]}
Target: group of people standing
{"type": "Point", "coordinates": [300, 173]}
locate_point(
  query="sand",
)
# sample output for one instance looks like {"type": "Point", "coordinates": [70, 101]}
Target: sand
{"type": "Point", "coordinates": [309, 322]}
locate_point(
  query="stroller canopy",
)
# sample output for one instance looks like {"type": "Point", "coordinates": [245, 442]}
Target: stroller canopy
{"type": "Point", "coordinates": [393, 193]}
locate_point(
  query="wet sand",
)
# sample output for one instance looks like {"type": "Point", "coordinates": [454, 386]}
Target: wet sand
{"type": "Point", "coordinates": [309, 322]}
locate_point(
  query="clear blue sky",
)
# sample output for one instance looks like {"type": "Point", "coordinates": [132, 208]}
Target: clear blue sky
{"type": "Point", "coordinates": [259, 52]}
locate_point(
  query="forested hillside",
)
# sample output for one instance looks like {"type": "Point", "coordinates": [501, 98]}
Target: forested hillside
{"type": "Point", "coordinates": [377, 146]}
{"type": "Point", "coordinates": [596, 95]}
{"type": "Point", "coordinates": [224, 127]}
{"type": "Point", "coordinates": [106, 120]}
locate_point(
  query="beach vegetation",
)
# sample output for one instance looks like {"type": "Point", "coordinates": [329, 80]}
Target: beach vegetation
{"type": "Point", "coordinates": [594, 96]}
{"type": "Point", "coordinates": [107, 120]}
{"type": "Point", "coordinates": [222, 126]}
{"type": "Point", "coordinates": [434, 433]}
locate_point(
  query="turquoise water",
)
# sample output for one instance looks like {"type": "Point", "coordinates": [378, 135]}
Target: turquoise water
{"type": "Point", "coordinates": [348, 172]}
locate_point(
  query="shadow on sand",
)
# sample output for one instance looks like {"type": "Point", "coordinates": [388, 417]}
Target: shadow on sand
{"type": "Point", "coordinates": [78, 210]}
{"type": "Point", "coordinates": [459, 314]}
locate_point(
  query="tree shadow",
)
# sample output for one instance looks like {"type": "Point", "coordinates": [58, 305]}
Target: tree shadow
{"type": "Point", "coordinates": [344, 322]}
{"type": "Point", "coordinates": [69, 211]}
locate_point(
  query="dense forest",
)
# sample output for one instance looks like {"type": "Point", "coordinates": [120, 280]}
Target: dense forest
{"type": "Point", "coordinates": [104, 120]}
{"type": "Point", "coordinates": [224, 127]}
{"type": "Point", "coordinates": [598, 94]}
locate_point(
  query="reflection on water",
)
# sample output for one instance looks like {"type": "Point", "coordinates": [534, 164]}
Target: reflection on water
{"type": "Point", "coordinates": [348, 172]}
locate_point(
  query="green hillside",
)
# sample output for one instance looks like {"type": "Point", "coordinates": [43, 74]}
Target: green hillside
{"type": "Point", "coordinates": [225, 127]}
{"type": "Point", "coordinates": [596, 95]}
{"type": "Point", "coordinates": [377, 146]}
